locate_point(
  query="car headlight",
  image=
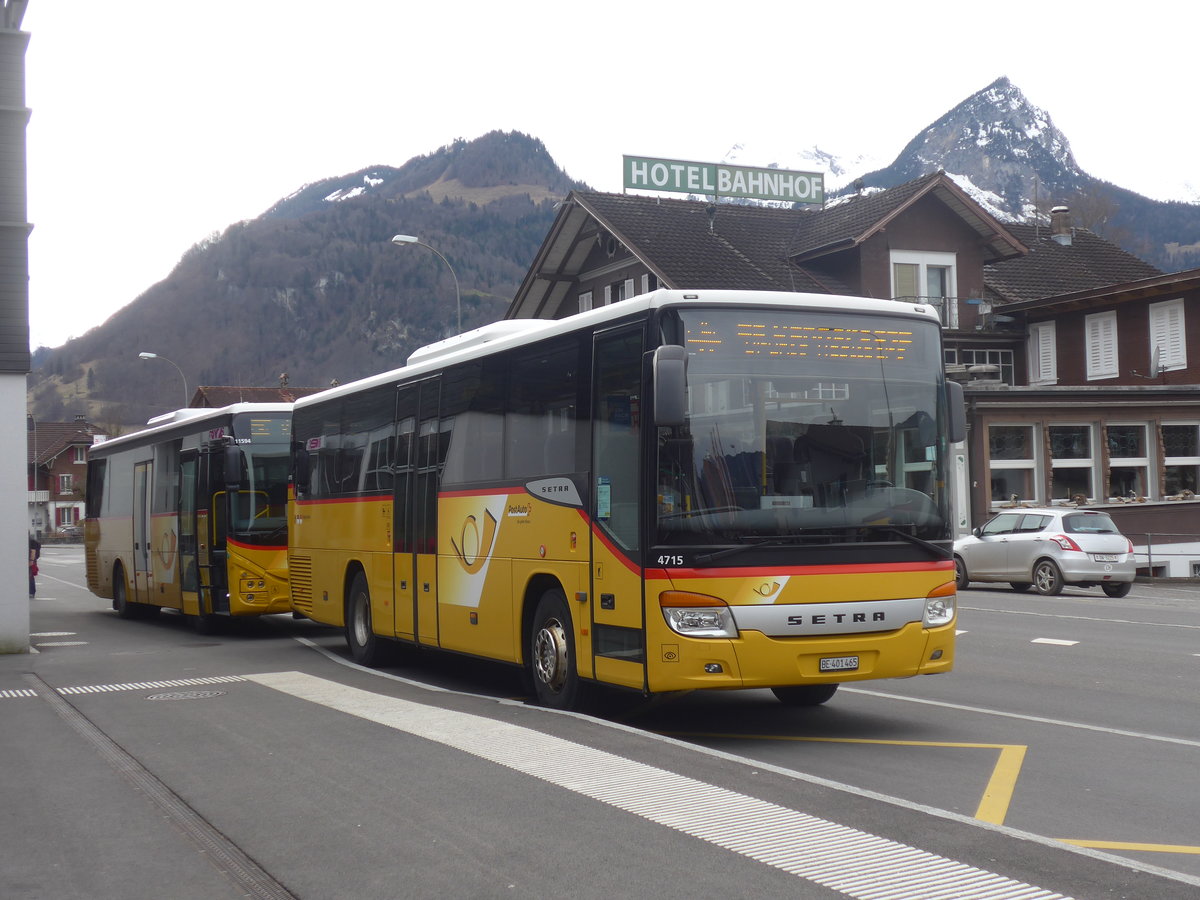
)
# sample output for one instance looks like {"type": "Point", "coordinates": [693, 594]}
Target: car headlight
{"type": "Point", "coordinates": [697, 615]}
{"type": "Point", "coordinates": [940, 605]}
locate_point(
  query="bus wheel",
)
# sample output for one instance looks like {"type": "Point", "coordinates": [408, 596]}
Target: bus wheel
{"type": "Point", "coordinates": [552, 653]}
{"type": "Point", "coordinates": [366, 647]}
{"type": "Point", "coordinates": [126, 609]}
{"type": "Point", "coordinates": [805, 694]}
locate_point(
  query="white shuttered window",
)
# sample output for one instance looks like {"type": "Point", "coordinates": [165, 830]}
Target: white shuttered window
{"type": "Point", "coordinates": [1043, 360]}
{"type": "Point", "coordinates": [1168, 335]}
{"type": "Point", "coordinates": [1101, 345]}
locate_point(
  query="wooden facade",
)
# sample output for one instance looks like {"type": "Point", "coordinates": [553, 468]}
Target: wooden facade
{"type": "Point", "coordinates": [1000, 288]}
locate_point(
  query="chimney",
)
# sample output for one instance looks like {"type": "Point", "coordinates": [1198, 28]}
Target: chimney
{"type": "Point", "coordinates": [1060, 225]}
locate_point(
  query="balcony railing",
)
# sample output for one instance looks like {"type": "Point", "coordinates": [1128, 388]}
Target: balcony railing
{"type": "Point", "coordinates": [947, 308]}
{"type": "Point", "coordinates": [38, 496]}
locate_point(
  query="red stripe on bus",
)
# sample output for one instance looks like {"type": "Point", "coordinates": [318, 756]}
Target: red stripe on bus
{"type": "Point", "coordinates": [847, 569]}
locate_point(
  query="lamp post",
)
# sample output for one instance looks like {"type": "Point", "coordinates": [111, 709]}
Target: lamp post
{"type": "Point", "coordinates": [401, 239]}
{"type": "Point", "coordinates": [147, 355]}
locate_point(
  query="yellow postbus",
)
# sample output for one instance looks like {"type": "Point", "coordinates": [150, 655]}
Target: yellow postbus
{"type": "Point", "coordinates": [191, 514]}
{"type": "Point", "coordinates": [683, 490]}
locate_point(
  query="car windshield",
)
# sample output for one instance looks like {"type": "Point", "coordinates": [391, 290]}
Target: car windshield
{"type": "Point", "coordinates": [1089, 523]}
{"type": "Point", "coordinates": [805, 427]}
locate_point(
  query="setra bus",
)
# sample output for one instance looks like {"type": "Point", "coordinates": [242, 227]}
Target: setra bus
{"type": "Point", "coordinates": [684, 490]}
{"type": "Point", "coordinates": [190, 514]}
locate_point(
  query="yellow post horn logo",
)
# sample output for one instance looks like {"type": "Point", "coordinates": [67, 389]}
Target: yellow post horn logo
{"type": "Point", "coordinates": [472, 548]}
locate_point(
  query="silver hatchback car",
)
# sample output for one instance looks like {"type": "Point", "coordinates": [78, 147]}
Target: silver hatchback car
{"type": "Point", "coordinates": [1047, 549]}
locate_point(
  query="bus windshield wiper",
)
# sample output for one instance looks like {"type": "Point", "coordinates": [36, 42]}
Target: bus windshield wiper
{"type": "Point", "coordinates": [934, 549]}
{"type": "Point", "coordinates": [779, 540]}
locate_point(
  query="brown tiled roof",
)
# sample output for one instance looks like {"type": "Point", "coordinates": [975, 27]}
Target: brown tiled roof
{"type": "Point", "coordinates": [742, 247]}
{"type": "Point", "coordinates": [216, 396]}
{"type": "Point", "coordinates": [47, 440]}
{"type": "Point", "coordinates": [1050, 268]}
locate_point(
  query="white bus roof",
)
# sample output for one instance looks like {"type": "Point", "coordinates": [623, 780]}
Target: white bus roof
{"type": "Point", "coordinates": [509, 333]}
{"type": "Point", "coordinates": [186, 421]}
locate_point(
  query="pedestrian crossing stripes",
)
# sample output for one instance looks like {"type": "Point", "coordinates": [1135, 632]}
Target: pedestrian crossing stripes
{"type": "Point", "coordinates": [149, 685]}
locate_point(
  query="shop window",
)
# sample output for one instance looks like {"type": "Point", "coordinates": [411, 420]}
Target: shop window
{"type": "Point", "coordinates": [1181, 458]}
{"type": "Point", "coordinates": [1071, 462]}
{"type": "Point", "coordinates": [1129, 466]}
{"type": "Point", "coordinates": [1012, 462]}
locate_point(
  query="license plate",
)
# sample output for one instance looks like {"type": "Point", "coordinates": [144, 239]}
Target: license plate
{"type": "Point", "coordinates": [1104, 557]}
{"type": "Point", "coordinates": [838, 663]}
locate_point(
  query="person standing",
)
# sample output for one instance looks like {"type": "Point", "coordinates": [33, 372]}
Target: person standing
{"type": "Point", "coordinates": [35, 553]}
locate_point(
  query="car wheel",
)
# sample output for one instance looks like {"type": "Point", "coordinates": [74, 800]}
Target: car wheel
{"type": "Point", "coordinates": [1047, 577]}
{"type": "Point", "coordinates": [1020, 586]}
{"type": "Point", "coordinates": [960, 574]}
{"type": "Point", "coordinates": [1117, 588]}
{"type": "Point", "coordinates": [804, 694]}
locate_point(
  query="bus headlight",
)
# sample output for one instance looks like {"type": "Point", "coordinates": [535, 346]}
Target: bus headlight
{"type": "Point", "coordinates": [697, 615]}
{"type": "Point", "coordinates": [940, 605]}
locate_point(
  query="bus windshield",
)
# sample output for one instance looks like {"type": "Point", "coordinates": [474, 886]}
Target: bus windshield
{"type": "Point", "coordinates": [806, 428]}
{"type": "Point", "coordinates": [260, 503]}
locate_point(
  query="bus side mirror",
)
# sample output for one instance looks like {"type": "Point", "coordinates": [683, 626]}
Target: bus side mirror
{"type": "Point", "coordinates": [301, 467]}
{"type": "Point", "coordinates": [670, 385]}
{"type": "Point", "coordinates": [233, 468]}
{"type": "Point", "coordinates": [957, 409]}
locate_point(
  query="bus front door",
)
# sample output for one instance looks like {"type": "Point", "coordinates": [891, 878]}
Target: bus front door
{"type": "Point", "coordinates": [618, 625]}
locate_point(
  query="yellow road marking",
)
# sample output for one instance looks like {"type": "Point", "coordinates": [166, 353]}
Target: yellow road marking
{"type": "Point", "coordinates": [997, 796]}
{"type": "Point", "coordinates": [1127, 845]}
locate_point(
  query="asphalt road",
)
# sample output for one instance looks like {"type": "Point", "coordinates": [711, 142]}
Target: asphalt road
{"type": "Point", "coordinates": [144, 760]}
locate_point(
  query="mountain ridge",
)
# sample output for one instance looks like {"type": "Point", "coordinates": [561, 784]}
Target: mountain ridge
{"type": "Point", "coordinates": [313, 287]}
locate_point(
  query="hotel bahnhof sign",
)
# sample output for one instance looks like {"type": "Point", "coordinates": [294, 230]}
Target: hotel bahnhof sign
{"type": "Point", "coordinates": [681, 176]}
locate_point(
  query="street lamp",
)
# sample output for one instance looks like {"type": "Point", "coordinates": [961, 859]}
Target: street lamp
{"type": "Point", "coordinates": [186, 397]}
{"type": "Point", "coordinates": [402, 239]}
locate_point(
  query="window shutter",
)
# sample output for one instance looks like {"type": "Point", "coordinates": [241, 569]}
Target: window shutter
{"type": "Point", "coordinates": [1102, 345]}
{"type": "Point", "coordinates": [1167, 334]}
{"type": "Point", "coordinates": [1042, 358]}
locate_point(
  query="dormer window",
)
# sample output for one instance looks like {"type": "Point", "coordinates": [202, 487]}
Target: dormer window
{"type": "Point", "coordinates": [927, 277]}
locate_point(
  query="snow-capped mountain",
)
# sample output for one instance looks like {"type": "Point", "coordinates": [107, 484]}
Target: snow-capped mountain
{"type": "Point", "coordinates": [1010, 157]}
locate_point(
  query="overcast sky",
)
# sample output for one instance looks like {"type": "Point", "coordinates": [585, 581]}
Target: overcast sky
{"type": "Point", "coordinates": [158, 122]}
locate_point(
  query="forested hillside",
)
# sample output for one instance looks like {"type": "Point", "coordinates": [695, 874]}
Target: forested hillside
{"type": "Point", "coordinates": [315, 288]}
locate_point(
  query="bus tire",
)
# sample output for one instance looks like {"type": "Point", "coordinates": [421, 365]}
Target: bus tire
{"type": "Point", "coordinates": [552, 653]}
{"type": "Point", "coordinates": [804, 694]}
{"type": "Point", "coordinates": [367, 648]}
{"type": "Point", "coordinates": [126, 608]}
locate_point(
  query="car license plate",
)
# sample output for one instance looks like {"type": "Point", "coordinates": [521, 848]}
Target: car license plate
{"type": "Point", "coordinates": [838, 663]}
{"type": "Point", "coordinates": [1104, 557]}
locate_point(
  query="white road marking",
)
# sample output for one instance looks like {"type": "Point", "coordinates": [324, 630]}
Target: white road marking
{"type": "Point", "coordinates": [813, 849]}
{"type": "Point", "coordinates": [1055, 641]}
